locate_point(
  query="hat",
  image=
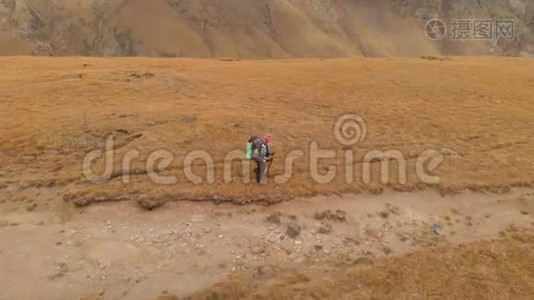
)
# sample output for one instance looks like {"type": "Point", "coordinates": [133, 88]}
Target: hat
{"type": "Point", "coordinates": [267, 137]}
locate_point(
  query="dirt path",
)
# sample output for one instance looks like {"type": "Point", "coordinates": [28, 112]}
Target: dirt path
{"type": "Point", "coordinates": [118, 251]}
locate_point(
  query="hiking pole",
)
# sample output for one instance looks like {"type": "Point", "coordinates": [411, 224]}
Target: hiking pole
{"type": "Point", "coordinates": [269, 165]}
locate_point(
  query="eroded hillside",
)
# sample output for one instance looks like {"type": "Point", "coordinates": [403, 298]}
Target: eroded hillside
{"type": "Point", "coordinates": [251, 29]}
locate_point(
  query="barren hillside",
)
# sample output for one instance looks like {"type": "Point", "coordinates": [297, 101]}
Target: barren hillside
{"type": "Point", "coordinates": [251, 29]}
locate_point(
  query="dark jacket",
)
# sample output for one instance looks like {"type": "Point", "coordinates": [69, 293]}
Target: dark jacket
{"type": "Point", "coordinates": [260, 148]}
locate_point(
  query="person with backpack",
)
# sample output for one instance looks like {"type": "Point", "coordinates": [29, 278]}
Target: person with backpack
{"type": "Point", "coordinates": [258, 150]}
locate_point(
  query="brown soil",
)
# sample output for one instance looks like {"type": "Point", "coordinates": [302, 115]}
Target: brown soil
{"type": "Point", "coordinates": [118, 251]}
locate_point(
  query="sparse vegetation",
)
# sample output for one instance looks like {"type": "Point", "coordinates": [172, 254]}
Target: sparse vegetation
{"type": "Point", "coordinates": [235, 29]}
{"type": "Point", "coordinates": [409, 274]}
{"type": "Point", "coordinates": [387, 250]}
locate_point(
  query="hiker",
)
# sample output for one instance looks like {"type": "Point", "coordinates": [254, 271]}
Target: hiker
{"type": "Point", "coordinates": [259, 151]}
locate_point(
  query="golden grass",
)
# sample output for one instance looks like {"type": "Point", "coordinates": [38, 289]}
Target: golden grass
{"type": "Point", "coordinates": [500, 269]}
{"type": "Point", "coordinates": [53, 111]}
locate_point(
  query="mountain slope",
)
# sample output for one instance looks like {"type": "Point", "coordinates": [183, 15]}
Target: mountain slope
{"type": "Point", "coordinates": [251, 28]}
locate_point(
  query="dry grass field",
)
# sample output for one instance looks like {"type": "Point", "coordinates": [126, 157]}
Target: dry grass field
{"type": "Point", "coordinates": [482, 270]}
{"type": "Point", "coordinates": [477, 112]}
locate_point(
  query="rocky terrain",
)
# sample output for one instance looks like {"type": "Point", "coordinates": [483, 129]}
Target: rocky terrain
{"type": "Point", "coordinates": [413, 244]}
{"type": "Point", "coordinates": [252, 29]}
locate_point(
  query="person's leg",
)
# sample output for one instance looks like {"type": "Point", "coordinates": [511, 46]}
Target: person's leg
{"type": "Point", "coordinates": [262, 178]}
{"type": "Point", "coordinates": [258, 177]}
